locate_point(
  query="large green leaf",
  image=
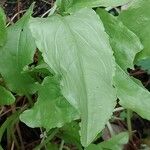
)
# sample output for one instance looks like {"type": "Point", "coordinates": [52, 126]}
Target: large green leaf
{"type": "Point", "coordinates": [137, 19]}
{"type": "Point", "coordinates": [77, 48]}
{"type": "Point", "coordinates": [2, 27]}
{"type": "Point", "coordinates": [124, 42]}
{"type": "Point", "coordinates": [17, 53]}
{"type": "Point", "coordinates": [125, 45]}
{"type": "Point", "coordinates": [6, 98]}
{"type": "Point", "coordinates": [115, 143]}
{"type": "Point", "coordinates": [51, 109]}
{"type": "Point", "coordinates": [74, 5]}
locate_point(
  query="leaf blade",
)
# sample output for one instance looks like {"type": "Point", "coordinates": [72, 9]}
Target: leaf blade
{"type": "Point", "coordinates": [6, 98]}
{"type": "Point", "coordinates": [139, 11]}
{"type": "Point", "coordinates": [74, 5]}
{"type": "Point", "coordinates": [125, 47]}
{"type": "Point", "coordinates": [3, 33]}
{"type": "Point", "coordinates": [131, 95]}
{"type": "Point", "coordinates": [51, 109]}
{"type": "Point", "coordinates": [75, 57]}
{"type": "Point", "coordinates": [114, 143]}
{"type": "Point", "coordinates": [17, 52]}
{"type": "Point", "coordinates": [124, 42]}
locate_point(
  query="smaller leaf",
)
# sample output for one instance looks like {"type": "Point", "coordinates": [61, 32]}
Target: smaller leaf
{"type": "Point", "coordinates": [70, 134]}
{"type": "Point", "coordinates": [145, 64]}
{"type": "Point", "coordinates": [38, 72]}
{"type": "Point", "coordinates": [124, 42]}
{"type": "Point", "coordinates": [1, 147]}
{"type": "Point", "coordinates": [94, 147]}
{"type": "Point", "coordinates": [2, 27]}
{"type": "Point", "coordinates": [51, 146]}
{"type": "Point", "coordinates": [115, 143]}
{"type": "Point", "coordinates": [11, 120]}
{"type": "Point", "coordinates": [51, 109]}
{"type": "Point", "coordinates": [6, 98]}
{"type": "Point", "coordinates": [132, 95]}
{"type": "Point", "coordinates": [74, 5]}
{"type": "Point", "coordinates": [126, 45]}
{"type": "Point", "coordinates": [137, 19]}
{"type": "Point", "coordinates": [18, 52]}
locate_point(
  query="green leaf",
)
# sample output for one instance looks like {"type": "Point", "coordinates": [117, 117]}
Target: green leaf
{"type": "Point", "coordinates": [124, 42]}
{"type": "Point", "coordinates": [49, 136]}
{"type": "Point", "coordinates": [131, 95]}
{"type": "Point", "coordinates": [17, 53]}
{"type": "Point", "coordinates": [51, 146]}
{"type": "Point", "coordinates": [70, 134]}
{"type": "Point", "coordinates": [39, 72]}
{"type": "Point", "coordinates": [1, 147]}
{"type": "Point", "coordinates": [11, 120]}
{"type": "Point", "coordinates": [115, 143]}
{"type": "Point", "coordinates": [6, 98]}
{"type": "Point", "coordinates": [74, 5]}
{"type": "Point", "coordinates": [145, 64]}
{"type": "Point", "coordinates": [126, 45]}
{"type": "Point", "coordinates": [3, 33]}
{"type": "Point", "coordinates": [137, 19]}
{"type": "Point", "coordinates": [79, 52]}
{"type": "Point", "coordinates": [51, 109]}
{"type": "Point", "coordinates": [94, 147]}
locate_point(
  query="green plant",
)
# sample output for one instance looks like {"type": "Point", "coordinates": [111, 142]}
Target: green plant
{"type": "Point", "coordinates": [82, 68]}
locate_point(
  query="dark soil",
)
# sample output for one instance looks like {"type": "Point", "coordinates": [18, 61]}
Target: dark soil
{"type": "Point", "coordinates": [12, 7]}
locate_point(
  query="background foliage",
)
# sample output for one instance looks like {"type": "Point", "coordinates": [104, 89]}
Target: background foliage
{"type": "Point", "coordinates": [70, 69]}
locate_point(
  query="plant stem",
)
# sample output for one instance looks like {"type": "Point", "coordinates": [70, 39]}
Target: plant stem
{"type": "Point", "coordinates": [118, 109]}
{"type": "Point", "coordinates": [2, 109]}
{"type": "Point", "coordinates": [50, 11]}
{"type": "Point", "coordinates": [110, 129]}
{"type": "Point", "coordinates": [14, 138]}
{"type": "Point", "coordinates": [20, 136]}
{"type": "Point", "coordinates": [12, 146]}
{"type": "Point", "coordinates": [46, 140]}
{"type": "Point", "coordinates": [62, 145]}
{"type": "Point", "coordinates": [129, 113]}
{"type": "Point", "coordinates": [66, 148]}
{"type": "Point", "coordinates": [29, 99]}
